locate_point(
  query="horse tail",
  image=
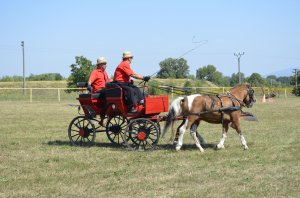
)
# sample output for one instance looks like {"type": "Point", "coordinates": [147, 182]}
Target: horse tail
{"type": "Point", "coordinates": [174, 110]}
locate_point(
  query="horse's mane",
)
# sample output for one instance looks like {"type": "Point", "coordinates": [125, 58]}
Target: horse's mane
{"type": "Point", "coordinates": [240, 85]}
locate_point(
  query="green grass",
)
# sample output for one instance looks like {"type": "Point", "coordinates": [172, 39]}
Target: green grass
{"type": "Point", "coordinates": [36, 159]}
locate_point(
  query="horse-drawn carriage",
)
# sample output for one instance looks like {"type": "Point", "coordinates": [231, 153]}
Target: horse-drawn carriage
{"type": "Point", "coordinates": [140, 130]}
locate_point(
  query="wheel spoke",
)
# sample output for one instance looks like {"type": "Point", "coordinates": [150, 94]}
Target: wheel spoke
{"type": "Point", "coordinates": [78, 125]}
{"type": "Point", "coordinates": [77, 138]}
{"type": "Point", "coordinates": [74, 130]}
{"type": "Point", "coordinates": [88, 139]}
{"type": "Point", "coordinates": [147, 143]}
{"type": "Point", "coordinates": [83, 123]}
{"type": "Point", "coordinates": [151, 138]}
{"type": "Point", "coordinates": [118, 139]}
{"type": "Point", "coordinates": [115, 119]}
{"type": "Point", "coordinates": [75, 135]}
{"type": "Point", "coordinates": [114, 136]}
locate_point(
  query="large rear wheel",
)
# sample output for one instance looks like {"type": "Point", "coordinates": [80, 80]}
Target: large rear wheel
{"type": "Point", "coordinates": [141, 134]}
{"type": "Point", "coordinates": [82, 131]}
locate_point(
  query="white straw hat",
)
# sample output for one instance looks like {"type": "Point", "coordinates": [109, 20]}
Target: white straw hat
{"type": "Point", "coordinates": [127, 54]}
{"type": "Point", "coordinates": [101, 60]}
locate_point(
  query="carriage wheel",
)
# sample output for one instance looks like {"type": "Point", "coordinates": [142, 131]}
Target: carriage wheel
{"type": "Point", "coordinates": [158, 127]}
{"type": "Point", "coordinates": [141, 134]}
{"type": "Point", "coordinates": [98, 125]}
{"type": "Point", "coordinates": [115, 128]}
{"type": "Point", "coordinates": [82, 131]}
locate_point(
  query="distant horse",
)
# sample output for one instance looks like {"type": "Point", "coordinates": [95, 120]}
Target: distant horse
{"type": "Point", "coordinates": [225, 109]}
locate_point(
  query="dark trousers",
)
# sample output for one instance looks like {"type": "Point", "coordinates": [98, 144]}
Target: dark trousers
{"type": "Point", "coordinates": [102, 95]}
{"type": "Point", "coordinates": [132, 94]}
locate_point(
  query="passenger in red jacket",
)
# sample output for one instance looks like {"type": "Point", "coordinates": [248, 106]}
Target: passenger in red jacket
{"type": "Point", "coordinates": [98, 77]}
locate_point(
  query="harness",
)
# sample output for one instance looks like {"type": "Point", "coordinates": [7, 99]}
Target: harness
{"type": "Point", "coordinates": [221, 110]}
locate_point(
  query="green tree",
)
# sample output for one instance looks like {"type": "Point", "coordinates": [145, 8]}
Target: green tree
{"type": "Point", "coordinates": [11, 78]}
{"type": "Point", "coordinates": [211, 74]}
{"type": "Point", "coordinates": [271, 80]}
{"type": "Point", "coordinates": [80, 71]}
{"type": "Point", "coordinates": [285, 80]}
{"type": "Point", "coordinates": [296, 91]}
{"type": "Point", "coordinates": [187, 84]}
{"type": "Point", "coordinates": [206, 72]}
{"type": "Point", "coordinates": [173, 68]}
{"type": "Point", "coordinates": [234, 80]}
{"type": "Point", "coordinates": [46, 76]}
{"type": "Point", "coordinates": [256, 80]}
{"type": "Point", "coordinates": [293, 80]}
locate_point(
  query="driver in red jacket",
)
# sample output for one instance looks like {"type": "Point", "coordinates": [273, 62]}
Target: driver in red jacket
{"type": "Point", "coordinates": [122, 77]}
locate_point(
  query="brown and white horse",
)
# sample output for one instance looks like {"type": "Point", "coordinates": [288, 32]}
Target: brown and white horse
{"type": "Point", "coordinates": [225, 109]}
{"type": "Point", "coordinates": [175, 111]}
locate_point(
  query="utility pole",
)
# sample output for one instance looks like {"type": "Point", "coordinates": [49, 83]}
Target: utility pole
{"type": "Point", "coordinates": [239, 57]}
{"type": "Point", "coordinates": [296, 76]}
{"type": "Point", "coordinates": [23, 52]}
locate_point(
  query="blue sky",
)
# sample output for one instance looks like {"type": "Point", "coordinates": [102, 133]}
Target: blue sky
{"type": "Point", "coordinates": [56, 31]}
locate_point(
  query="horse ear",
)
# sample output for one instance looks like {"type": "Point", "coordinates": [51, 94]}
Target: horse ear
{"type": "Point", "coordinates": [248, 85]}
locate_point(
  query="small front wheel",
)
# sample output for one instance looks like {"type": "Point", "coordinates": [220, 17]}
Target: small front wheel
{"type": "Point", "coordinates": [82, 131]}
{"type": "Point", "coordinates": [115, 128]}
{"type": "Point", "coordinates": [141, 134]}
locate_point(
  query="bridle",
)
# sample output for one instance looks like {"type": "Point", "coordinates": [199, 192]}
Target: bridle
{"type": "Point", "coordinates": [251, 100]}
{"type": "Point", "coordinates": [248, 103]}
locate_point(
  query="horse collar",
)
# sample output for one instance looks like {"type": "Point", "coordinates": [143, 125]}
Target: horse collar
{"type": "Point", "coordinates": [230, 95]}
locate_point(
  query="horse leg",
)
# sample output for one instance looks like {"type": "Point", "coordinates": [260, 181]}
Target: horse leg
{"type": "Point", "coordinates": [182, 130]}
{"type": "Point", "coordinates": [237, 127]}
{"type": "Point", "coordinates": [174, 137]}
{"type": "Point", "coordinates": [193, 131]}
{"type": "Point", "coordinates": [224, 136]}
{"type": "Point", "coordinates": [243, 141]}
{"type": "Point", "coordinates": [201, 138]}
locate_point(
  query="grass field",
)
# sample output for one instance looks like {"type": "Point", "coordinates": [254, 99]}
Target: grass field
{"type": "Point", "coordinates": [36, 159]}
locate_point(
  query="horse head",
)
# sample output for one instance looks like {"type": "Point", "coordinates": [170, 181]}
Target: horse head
{"type": "Point", "coordinates": [249, 100]}
{"type": "Point", "coordinates": [244, 94]}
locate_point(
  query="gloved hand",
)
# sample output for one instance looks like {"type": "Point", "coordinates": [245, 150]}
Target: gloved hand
{"type": "Point", "coordinates": [146, 78]}
{"type": "Point", "coordinates": [89, 88]}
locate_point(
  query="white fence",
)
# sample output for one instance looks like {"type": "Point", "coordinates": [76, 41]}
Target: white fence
{"type": "Point", "coordinates": [6, 92]}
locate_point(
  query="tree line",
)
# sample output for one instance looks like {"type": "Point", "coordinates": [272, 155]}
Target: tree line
{"type": "Point", "coordinates": [169, 68]}
{"type": "Point", "coordinates": [32, 77]}
{"type": "Point", "coordinates": [178, 68]}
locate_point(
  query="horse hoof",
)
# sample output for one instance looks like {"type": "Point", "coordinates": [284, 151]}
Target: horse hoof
{"type": "Point", "coordinates": [220, 146]}
{"type": "Point", "coordinates": [178, 148]}
{"type": "Point", "coordinates": [246, 147]}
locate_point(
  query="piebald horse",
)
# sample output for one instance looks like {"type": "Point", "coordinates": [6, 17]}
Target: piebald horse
{"type": "Point", "coordinates": [225, 109]}
{"type": "Point", "coordinates": [176, 111]}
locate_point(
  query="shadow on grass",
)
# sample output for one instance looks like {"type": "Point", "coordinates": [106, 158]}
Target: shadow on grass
{"type": "Point", "coordinates": [114, 146]}
{"type": "Point", "coordinates": [184, 146]}
{"type": "Point", "coordinates": [97, 144]}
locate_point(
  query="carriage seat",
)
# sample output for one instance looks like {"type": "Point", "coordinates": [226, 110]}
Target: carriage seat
{"type": "Point", "coordinates": [113, 90]}
{"type": "Point", "coordinates": [86, 95]}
